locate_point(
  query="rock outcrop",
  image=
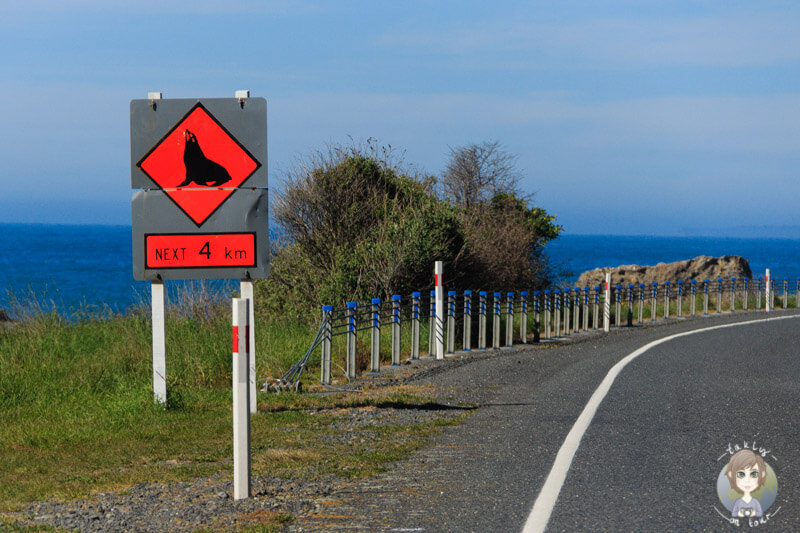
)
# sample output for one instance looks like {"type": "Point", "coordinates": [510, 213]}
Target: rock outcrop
{"type": "Point", "coordinates": [699, 268]}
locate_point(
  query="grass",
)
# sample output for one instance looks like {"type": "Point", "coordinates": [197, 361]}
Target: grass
{"type": "Point", "coordinates": [78, 412]}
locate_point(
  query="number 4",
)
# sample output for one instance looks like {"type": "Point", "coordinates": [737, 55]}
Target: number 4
{"type": "Point", "coordinates": [205, 250]}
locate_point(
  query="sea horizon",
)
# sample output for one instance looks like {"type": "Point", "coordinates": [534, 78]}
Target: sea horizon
{"type": "Point", "coordinates": [72, 266]}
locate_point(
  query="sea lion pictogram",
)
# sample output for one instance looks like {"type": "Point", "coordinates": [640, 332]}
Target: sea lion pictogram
{"type": "Point", "coordinates": [200, 169]}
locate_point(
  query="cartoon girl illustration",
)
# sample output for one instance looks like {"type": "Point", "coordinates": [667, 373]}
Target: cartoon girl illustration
{"type": "Point", "coordinates": [746, 473]}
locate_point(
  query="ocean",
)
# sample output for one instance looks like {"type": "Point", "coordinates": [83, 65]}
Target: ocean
{"type": "Point", "coordinates": [75, 268]}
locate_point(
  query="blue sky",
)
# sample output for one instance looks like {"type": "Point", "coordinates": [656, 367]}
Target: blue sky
{"type": "Point", "coordinates": [628, 117]}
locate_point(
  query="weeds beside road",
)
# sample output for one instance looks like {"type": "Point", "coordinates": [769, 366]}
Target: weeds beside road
{"type": "Point", "coordinates": [79, 419]}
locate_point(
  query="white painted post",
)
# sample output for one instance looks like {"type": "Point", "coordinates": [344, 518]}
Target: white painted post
{"type": "Point", "coordinates": [415, 298]}
{"type": "Point", "coordinates": [248, 293]}
{"type": "Point", "coordinates": [482, 321]}
{"type": "Point", "coordinates": [159, 343]}
{"type": "Point", "coordinates": [451, 321]}
{"type": "Point", "coordinates": [547, 314]}
{"type": "Point", "coordinates": [395, 330]}
{"type": "Point", "coordinates": [241, 393]}
{"type": "Point", "coordinates": [768, 293]}
{"type": "Point", "coordinates": [327, 335]}
{"type": "Point", "coordinates": [496, 321]}
{"type": "Point", "coordinates": [557, 311]}
{"type": "Point", "coordinates": [641, 303]}
{"type": "Point", "coordinates": [510, 320]}
{"type": "Point", "coordinates": [438, 271]}
{"type": "Point", "coordinates": [375, 332]}
{"type": "Point", "coordinates": [350, 368]}
{"type": "Point", "coordinates": [523, 318]}
{"type": "Point", "coordinates": [585, 308]}
{"type": "Point", "coordinates": [466, 345]}
{"type": "Point", "coordinates": [607, 304]}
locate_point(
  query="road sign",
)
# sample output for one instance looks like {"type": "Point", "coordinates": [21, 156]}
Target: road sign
{"type": "Point", "coordinates": [201, 208]}
{"type": "Point", "coordinates": [198, 164]}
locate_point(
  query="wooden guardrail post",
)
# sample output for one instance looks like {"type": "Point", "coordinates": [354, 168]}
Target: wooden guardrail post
{"type": "Point", "coordinates": [653, 302]}
{"type": "Point", "coordinates": [557, 311]}
{"type": "Point", "coordinates": [546, 314]}
{"type": "Point", "coordinates": [510, 320]}
{"type": "Point", "coordinates": [496, 321]}
{"type": "Point", "coordinates": [375, 348]}
{"type": "Point", "coordinates": [482, 321]}
{"type": "Point", "coordinates": [467, 342]}
{"type": "Point", "coordinates": [395, 329]}
{"type": "Point", "coordinates": [327, 335]}
{"type": "Point", "coordinates": [523, 317]}
{"type": "Point", "coordinates": [758, 295]}
{"type": "Point", "coordinates": [451, 321]}
{"type": "Point", "coordinates": [351, 340]}
{"type": "Point", "coordinates": [432, 327]}
{"type": "Point", "coordinates": [536, 317]}
{"type": "Point", "coordinates": [641, 303]}
{"type": "Point", "coordinates": [415, 298]}
{"type": "Point", "coordinates": [585, 308]}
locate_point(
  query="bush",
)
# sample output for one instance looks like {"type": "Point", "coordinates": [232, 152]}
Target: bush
{"type": "Point", "coordinates": [358, 226]}
{"type": "Point", "coordinates": [357, 229]}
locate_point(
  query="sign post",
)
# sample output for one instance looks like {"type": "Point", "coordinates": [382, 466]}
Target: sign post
{"type": "Point", "coordinates": [247, 292]}
{"type": "Point", "coordinates": [159, 343]}
{"type": "Point", "coordinates": [199, 211]}
{"type": "Point", "coordinates": [241, 394]}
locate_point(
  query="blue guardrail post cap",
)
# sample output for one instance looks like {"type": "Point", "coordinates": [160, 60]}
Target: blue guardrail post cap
{"type": "Point", "coordinates": [327, 308]}
{"type": "Point", "coordinates": [352, 304]}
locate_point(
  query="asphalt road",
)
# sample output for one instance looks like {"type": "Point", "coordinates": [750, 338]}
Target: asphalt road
{"type": "Point", "coordinates": [650, 458]}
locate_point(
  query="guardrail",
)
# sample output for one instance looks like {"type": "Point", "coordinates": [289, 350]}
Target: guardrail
{"type": "Point", "coordinates": [473, 318]}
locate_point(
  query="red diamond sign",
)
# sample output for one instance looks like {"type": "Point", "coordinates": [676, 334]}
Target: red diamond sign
{"type": "Point", "coordinates": [198, 164]}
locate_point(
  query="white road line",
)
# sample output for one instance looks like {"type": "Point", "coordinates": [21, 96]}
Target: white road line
{"type": "Point", "coordinates": [543, 507]}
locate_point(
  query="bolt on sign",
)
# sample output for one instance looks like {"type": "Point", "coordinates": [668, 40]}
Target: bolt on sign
{"type": "Point", "coordinates": [199, 174]}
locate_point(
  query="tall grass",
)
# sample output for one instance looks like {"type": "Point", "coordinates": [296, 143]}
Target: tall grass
{"type": "Point", "coordinates": [76, 390]}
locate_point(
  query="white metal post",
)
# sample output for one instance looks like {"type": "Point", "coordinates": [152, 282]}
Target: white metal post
{"type": "Point", "coordinates": [440, 309]}
{"type": "Point", "coordinates": [768, 293]}
{"type": "Point", "coordinates": [159, 343]}
{"type": "Point", "coordinates": [607, 304]}
{"type": "Point", "coordinates": [241, 392]}
{"type": "Point", "coordinates": [247, 291]}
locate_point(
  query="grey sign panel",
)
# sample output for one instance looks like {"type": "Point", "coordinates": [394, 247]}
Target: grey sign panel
{"type": "Point", "coordinates": [167, 245]}
{"type": "Point", "coordinates": [201, 167]}
{"type": "Point", "coordinates": [152, 120]}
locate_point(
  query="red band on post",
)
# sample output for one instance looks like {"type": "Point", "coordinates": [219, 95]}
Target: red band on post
{"type": "Point", "coordinates": [236, 339]}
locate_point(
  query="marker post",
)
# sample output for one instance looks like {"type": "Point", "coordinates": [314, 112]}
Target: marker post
{"type": "Point", "coordinates": [440, 309]}
{"type": "Point", "coordinates": [607, 304]}
{"type": "Point", "coordinates": [768, 293]}
{"type": "Point", "coordinates": [247, 292]}
{"type": "Point", "coordinates": [241, 393]}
